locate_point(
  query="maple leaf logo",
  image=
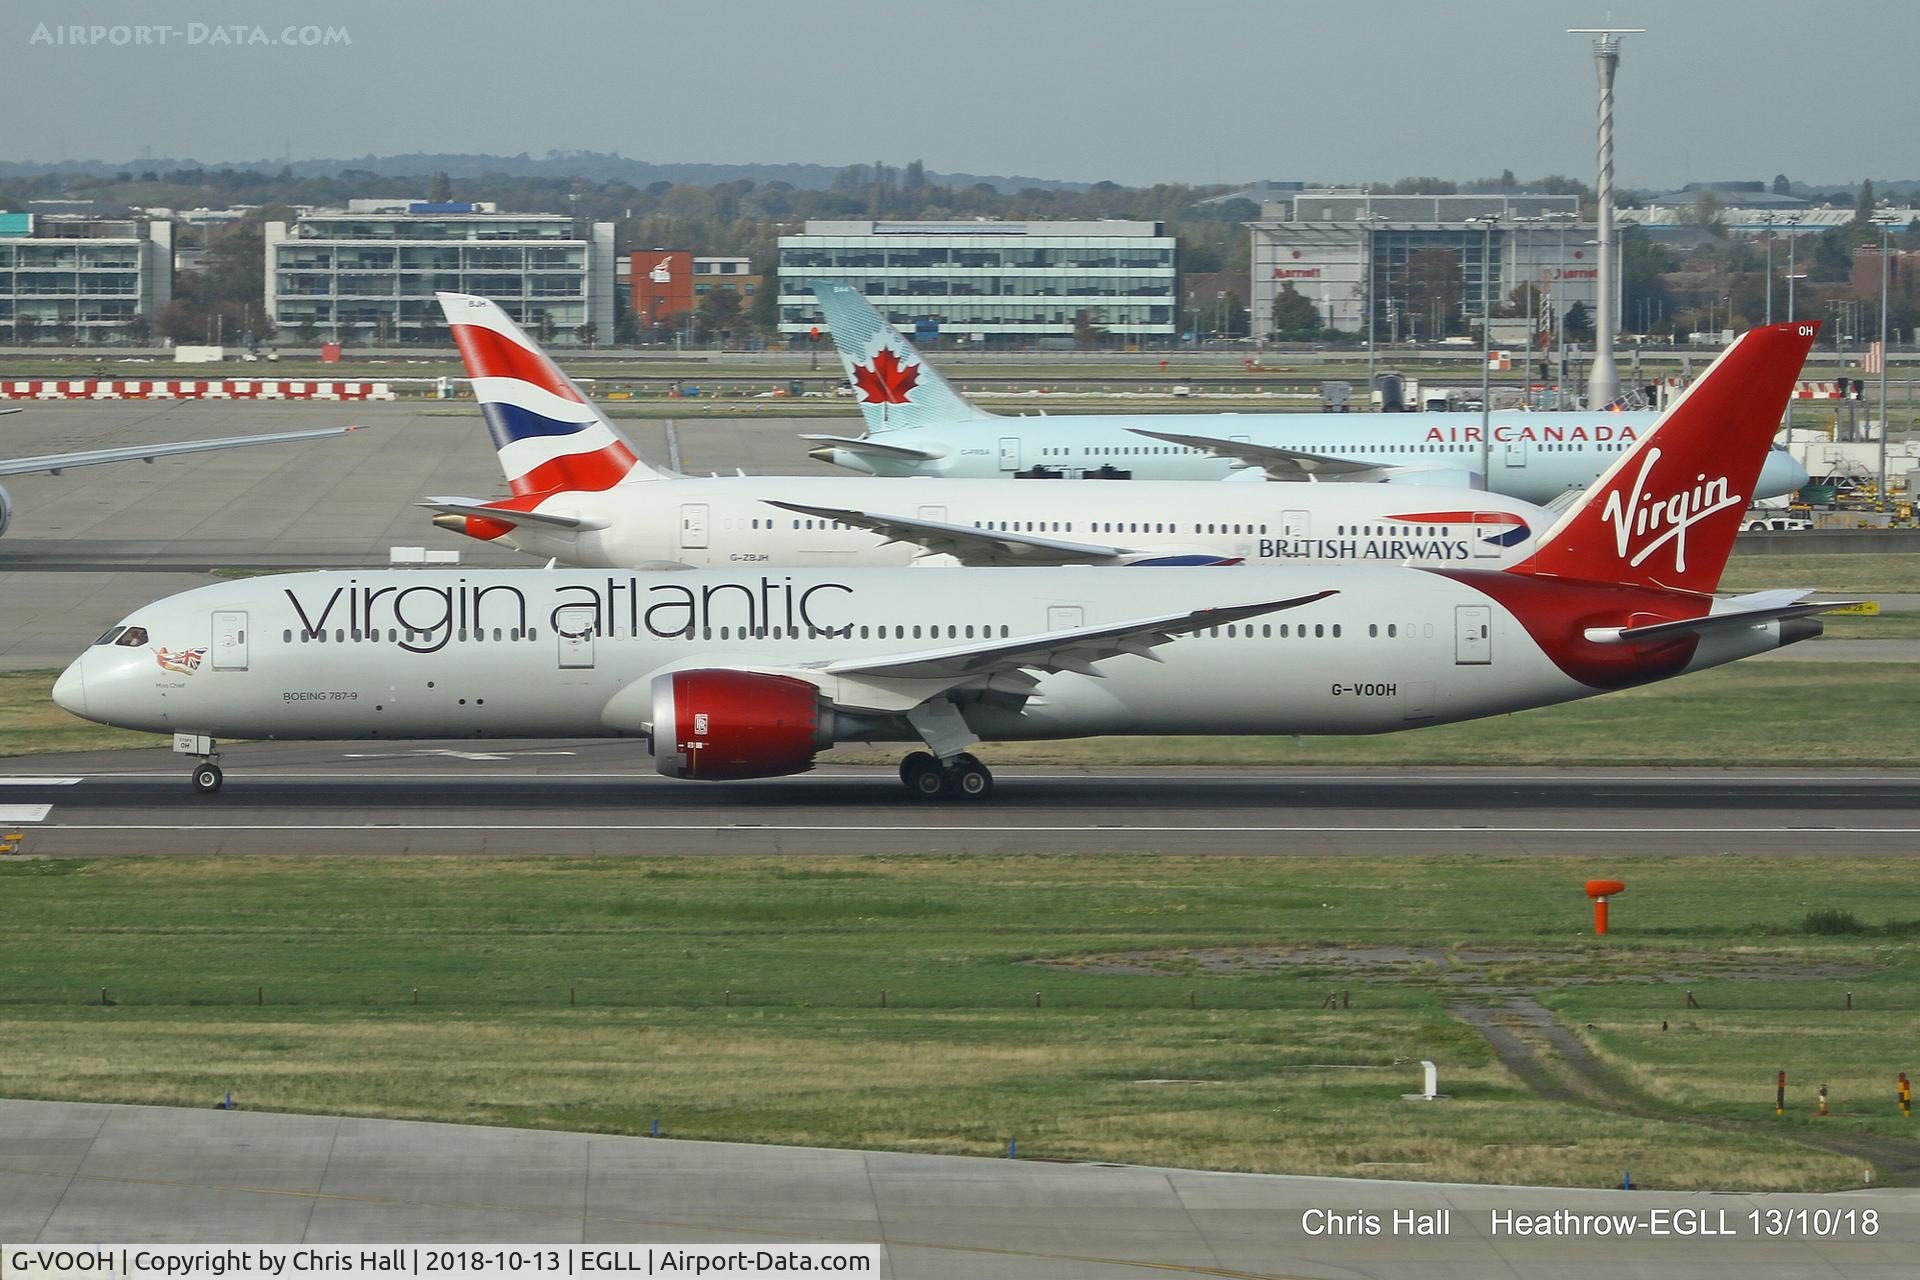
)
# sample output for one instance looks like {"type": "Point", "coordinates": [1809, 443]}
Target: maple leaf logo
{"type": "Point", "coordinates": [886, 381]}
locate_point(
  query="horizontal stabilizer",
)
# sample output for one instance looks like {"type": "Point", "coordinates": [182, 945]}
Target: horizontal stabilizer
{"type": "Point", "coordinates": [1735, 614]}
{"type": "Point", "coordinates": [504, 515]}
{"type": "Point", "coordinates": [866, 444]}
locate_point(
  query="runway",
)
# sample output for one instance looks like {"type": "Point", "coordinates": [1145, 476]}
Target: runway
{"type": "Point", "coordinates": [96, 1174]}
{"type": "Point", "coordinates": [598, 798]}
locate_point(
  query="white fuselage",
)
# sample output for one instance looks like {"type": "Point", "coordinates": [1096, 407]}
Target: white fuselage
{"type": "Point", "coordinates": [1531, 456]}
{"type": "Point", "coordinates": [530, 653]}
{"type": "Point", "coordinates": [726, 521]}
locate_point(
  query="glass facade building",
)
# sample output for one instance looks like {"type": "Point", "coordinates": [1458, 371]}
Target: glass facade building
{"type": "Point", "coordinates": [82, 279]}
{"type": "Point", "coordinates": [1009, 284]}
{"type": "Point", "coordinates": [1422, 261]}
{"type": "Point", "coordinates": [372, 276]}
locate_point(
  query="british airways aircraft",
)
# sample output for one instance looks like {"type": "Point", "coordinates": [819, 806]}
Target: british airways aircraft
{"type": "Point", "coordinates": [55, 463]}
{"type": "Point", "coordinates": [581, 496]}
{"type": "Point", "coordinates": [749, 674]}
{"type": "Point", "coordinates": [918, 425]}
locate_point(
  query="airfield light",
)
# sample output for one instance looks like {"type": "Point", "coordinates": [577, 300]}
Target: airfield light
{"type": "Point", "coordinates": [1600, 891]}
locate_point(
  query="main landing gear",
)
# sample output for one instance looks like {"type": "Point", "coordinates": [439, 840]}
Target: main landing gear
{"type": "Point", "coordinates": [961, 778]}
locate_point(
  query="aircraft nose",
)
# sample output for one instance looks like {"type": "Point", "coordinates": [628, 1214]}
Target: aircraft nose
{"type": "Point", "coordinates": [70, 690]}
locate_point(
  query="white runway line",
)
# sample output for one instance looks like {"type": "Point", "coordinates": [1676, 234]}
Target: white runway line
{"type": "Point", "coordinates": [30, 781]}
{"type": "Point", "coordinates": [10, 813]}
{"type": "Point", "coordinates": [963, 828]}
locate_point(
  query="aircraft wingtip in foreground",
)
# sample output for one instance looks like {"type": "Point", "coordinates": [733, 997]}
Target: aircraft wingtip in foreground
{"type": "Point", "coordinates": [743, 675]}
{"type": "Point", "coordinates": [55, 463]}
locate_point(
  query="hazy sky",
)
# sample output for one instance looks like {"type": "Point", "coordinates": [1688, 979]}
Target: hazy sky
{"type": "Point", "coordinates": [1138, 92]}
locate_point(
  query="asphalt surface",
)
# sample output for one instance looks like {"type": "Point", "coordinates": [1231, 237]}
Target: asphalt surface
{"type": "Point", "coordinates": [98, 1174]}
{"type": "Point", "coordinates": [571, 798]}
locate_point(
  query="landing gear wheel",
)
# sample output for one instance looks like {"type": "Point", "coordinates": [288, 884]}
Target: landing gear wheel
{"type": "Point", "coordinates": [207, 778]}
{"type": "Point", "coordinates": [915, 761]}
{"type": "Point", "coordinates": [968, 779]}
{"type": "Point", "coordinates": [924, 777]}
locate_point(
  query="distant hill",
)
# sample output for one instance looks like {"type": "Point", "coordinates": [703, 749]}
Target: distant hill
{"type": "Point", "coordinates": [595, 165]}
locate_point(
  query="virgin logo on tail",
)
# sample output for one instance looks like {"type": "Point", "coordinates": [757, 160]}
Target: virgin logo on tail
{"type": "Point", "coordinates": [1669, 519]}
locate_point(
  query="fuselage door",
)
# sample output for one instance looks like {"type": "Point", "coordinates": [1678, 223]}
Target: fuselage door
{"type": "Point", "coordinates": [1065, 617]}
{"type": "Point", "coordinates": [934, 513]}
{"type": "Point", "coordinates": [1009, 453]}
{"type": "Point", "coordinates": [1472, 635]}
{"type": "Point", "coordinates": [229, 640]}
{"type": "Point", "coordinates": [574, 626]}
{"type": "Point", "coordinates": [1294, 524]}
{"type": "Point", "coordinates": [1516, 453]}
{"type": "Point", "coordinates": [693, 525]}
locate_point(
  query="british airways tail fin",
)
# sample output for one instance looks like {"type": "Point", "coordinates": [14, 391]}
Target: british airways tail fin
{"type": "Point", "coordinates": [548, 434]}
{"type": "Point", "coordinates": [1665, 514]}
{"type": "Point", "coordinates": [895, 387]}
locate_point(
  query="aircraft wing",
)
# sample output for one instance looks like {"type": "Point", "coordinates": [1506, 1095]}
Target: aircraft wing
{"type": "Point", "coordinates": [1733, 614]}
{"type": "Point", "coordinates": [971, 546]}
{"type": "Point", "coordinates": [1278, 463]}
{"type": "Point", "coordinates": [482, 511]}
{"type": "Point", "coordinates": [863, 444]}
{"type": "Point", "coordinates": [1076, 649]}
{"type": "Point", "coordinates": [58, 462]}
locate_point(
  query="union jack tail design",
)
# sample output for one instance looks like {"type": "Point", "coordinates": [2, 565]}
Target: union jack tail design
{"type": "Point", "coordinates": [549, 435]}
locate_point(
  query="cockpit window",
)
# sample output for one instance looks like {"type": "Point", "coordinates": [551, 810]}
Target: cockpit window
{"type": "Point", "coordinates": [113, 634]}
{"type": "Point", "coordinates": [133, 638]}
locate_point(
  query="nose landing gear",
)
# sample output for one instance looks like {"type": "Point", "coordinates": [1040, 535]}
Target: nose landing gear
{"type": "Point", "coordinates": [961, 778]}
{"type": "Point", "coordinates": [206, 774]}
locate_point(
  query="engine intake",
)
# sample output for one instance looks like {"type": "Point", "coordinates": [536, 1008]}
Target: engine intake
{"type": "Point", "coordinates": [719, 725]}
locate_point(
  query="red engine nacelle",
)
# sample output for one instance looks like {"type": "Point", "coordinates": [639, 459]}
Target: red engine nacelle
{"type": "Point", "coordinates": [716, 725]}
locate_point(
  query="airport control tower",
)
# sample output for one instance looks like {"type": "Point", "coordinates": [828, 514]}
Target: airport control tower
{"type": "Point", "coordinates": [1603, 381]}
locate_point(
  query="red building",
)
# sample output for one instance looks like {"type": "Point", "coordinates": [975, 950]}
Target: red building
{"type": "Point", "coordinates": [662, 285]}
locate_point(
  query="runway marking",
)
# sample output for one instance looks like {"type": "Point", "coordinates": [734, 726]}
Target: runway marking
{"type": "Point", "coordinates": [920, 829]}
{"type": "Point", "coordinates": [30, 781]}
{"type": "Point", "coordinates": [24, 812]}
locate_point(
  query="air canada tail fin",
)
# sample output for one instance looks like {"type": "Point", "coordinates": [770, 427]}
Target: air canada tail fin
{"type": "Point", "coordinates": [1665, 514]}
{"type": "Point", "coordinates": [895, 387]}
{"type": "Point", "coordinates": [547, 432]}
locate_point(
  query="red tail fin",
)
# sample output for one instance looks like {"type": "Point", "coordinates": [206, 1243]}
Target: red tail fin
{"type": "Point", "coordinates": [1666, 513]}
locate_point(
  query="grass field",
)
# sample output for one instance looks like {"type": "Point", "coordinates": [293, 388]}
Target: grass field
{"type": "Point", "coordinates": [595, 995]}
{"type": "Point", "coordinates": [1852, 572]}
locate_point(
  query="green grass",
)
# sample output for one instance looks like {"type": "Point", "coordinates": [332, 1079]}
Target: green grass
{"type": "Point", "coordinates": [31, 723]}
{"type": "Point", "coordinates": [961, 1060]}
{"type": "Point", "coordinates": [1862, 572]}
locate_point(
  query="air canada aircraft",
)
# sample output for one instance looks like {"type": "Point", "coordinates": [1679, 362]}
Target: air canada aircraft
{"type": "Point", "coordinates": [753, 673]}
{"type": "Point", "coordinates": [580, 495]}
{"type": "Point", "coordinates": [918, 425]}
{"type": "Point", "coordinates": [55, 463]}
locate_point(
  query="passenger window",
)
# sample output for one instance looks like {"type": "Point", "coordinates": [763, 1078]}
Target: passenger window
{"type": "Point", "coordinates": [132, 638]}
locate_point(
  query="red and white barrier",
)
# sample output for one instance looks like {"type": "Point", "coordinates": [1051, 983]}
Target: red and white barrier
{"type": "Point", "coordinates": [190, 389]}
{"type": "Point", "coordinates": [1819, 391]}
